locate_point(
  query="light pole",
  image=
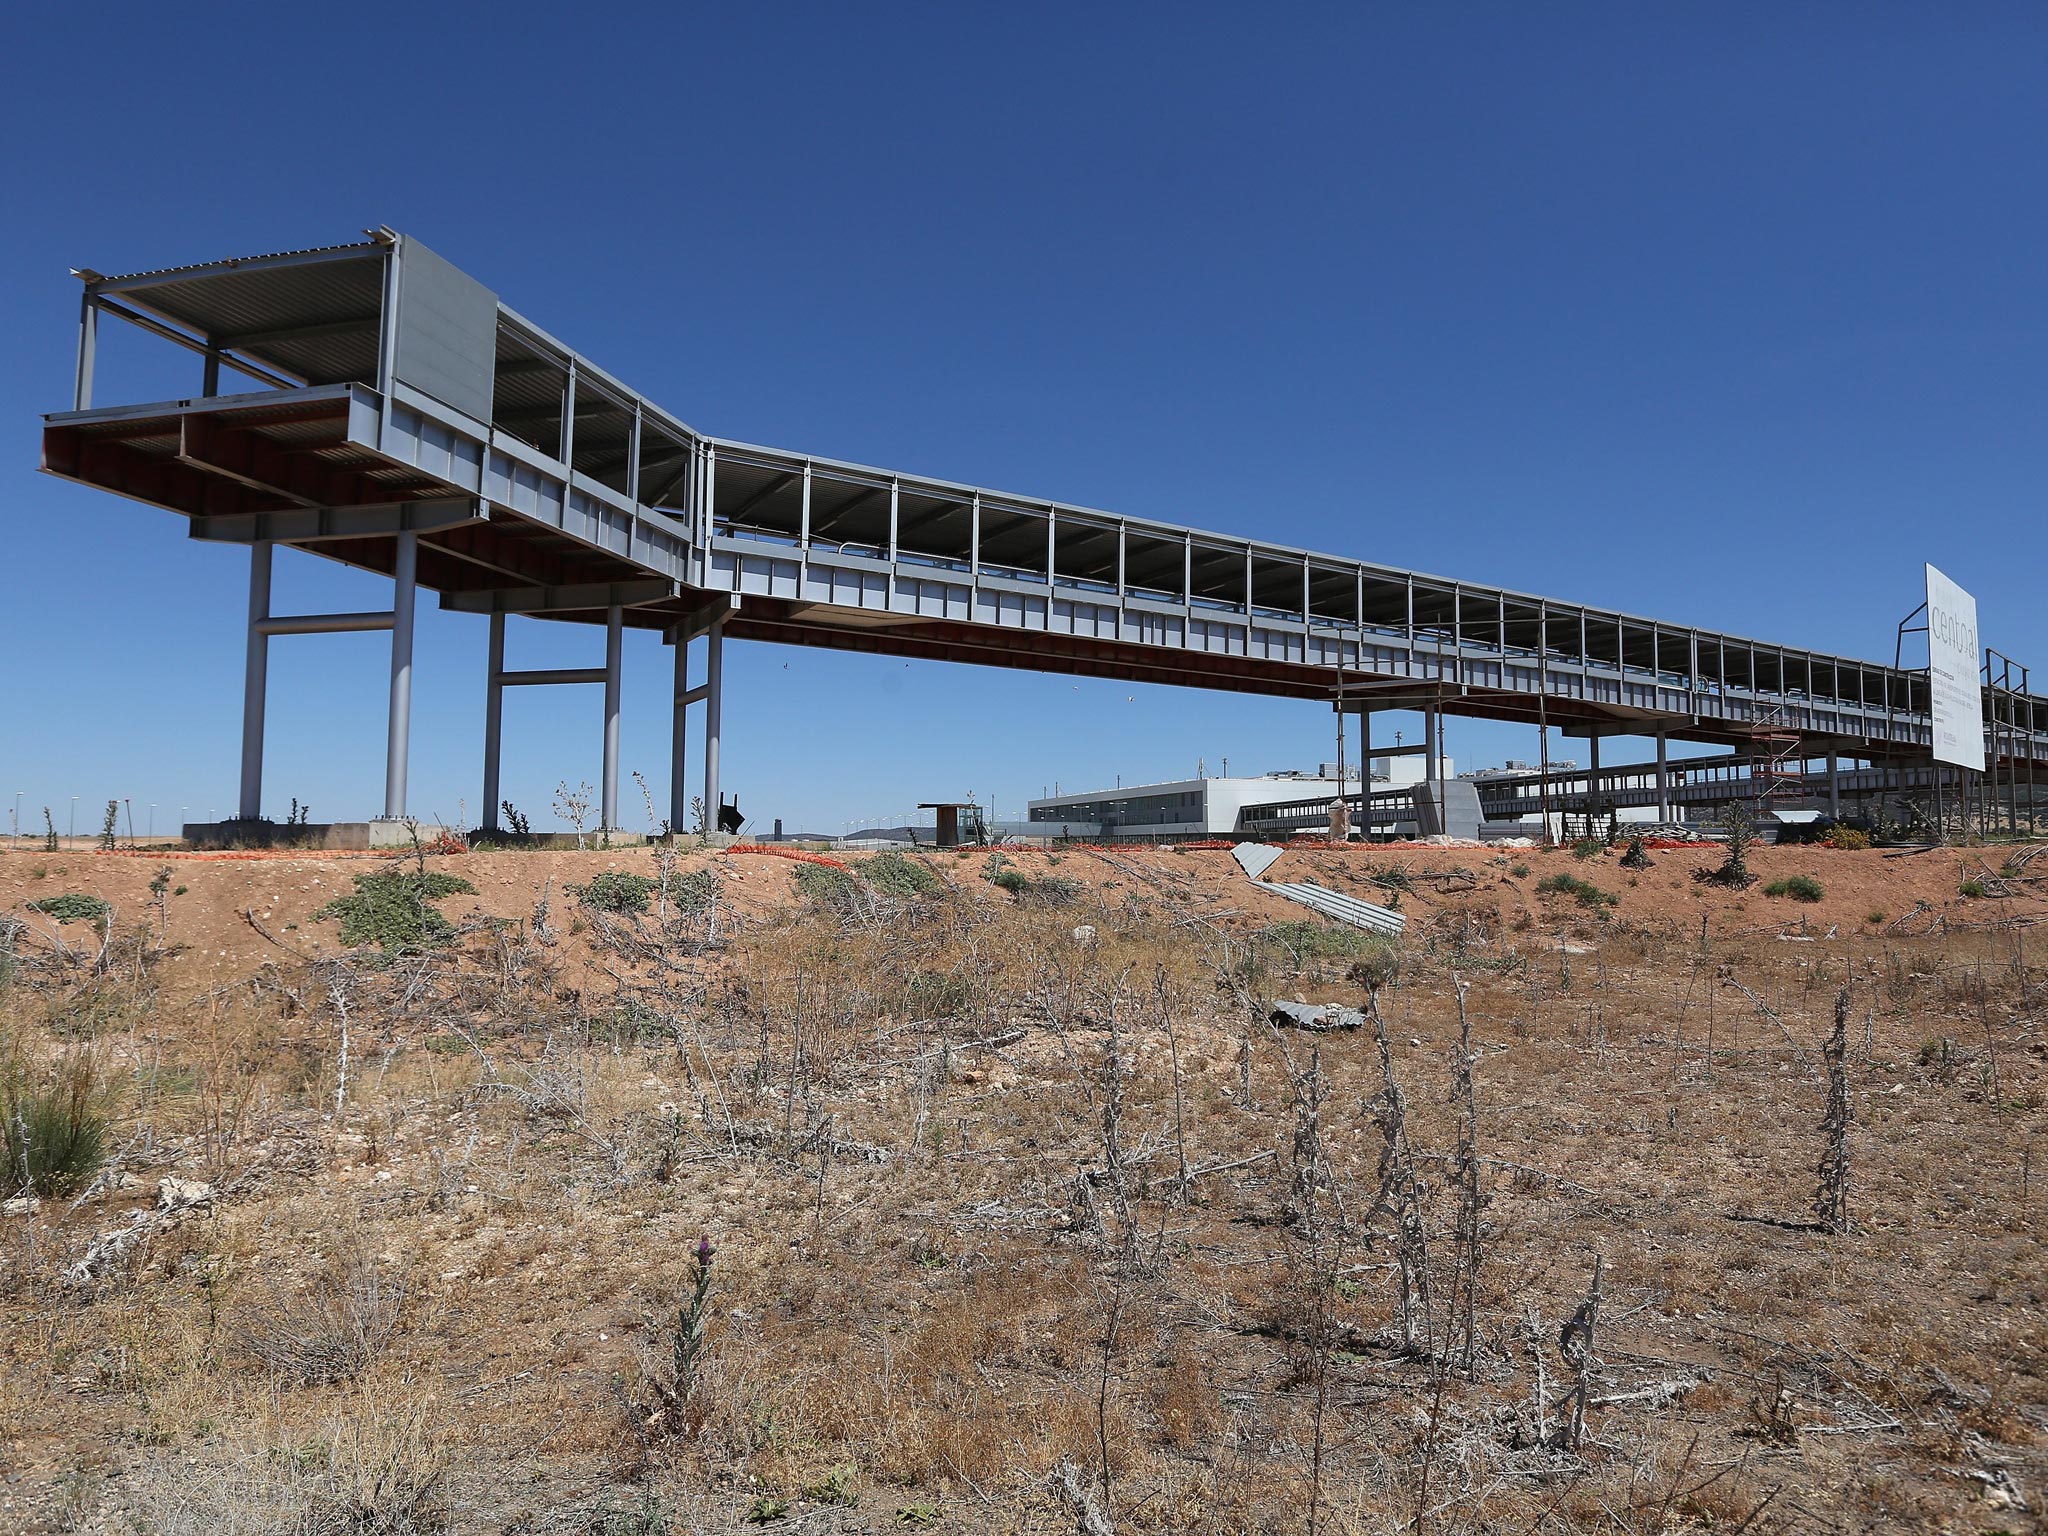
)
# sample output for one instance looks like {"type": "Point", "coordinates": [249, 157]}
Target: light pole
{"type": "Point", "coordinates": [150, 826]}
{"type": "Point", "coordinates": [17, 815]}
{"type": "Point", "coordinates": [72, 830]}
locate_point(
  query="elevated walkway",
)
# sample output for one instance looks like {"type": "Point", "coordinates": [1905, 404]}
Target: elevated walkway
{"type": "Point", "coordinates": [403, 420]}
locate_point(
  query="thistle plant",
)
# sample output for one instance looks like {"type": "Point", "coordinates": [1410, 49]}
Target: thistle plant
{"type": "Point", "coordinates": [690, 1318]}
{"type": "Point", "coordinates": [688, 1350]}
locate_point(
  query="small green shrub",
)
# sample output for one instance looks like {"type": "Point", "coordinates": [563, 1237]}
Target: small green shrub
{"type": "Point", "coordinates": [1848, 839]}
{"type": "Point", "coordinates": [898, 874]}
{"type": "Point", "coordinates": [1972, 888]}
{"type": "Point", "coordinates": [1051, 891]}
{"type": "Point", "coordinates": [936, 994]}
{"type": "Point", "coordinates": [55, 1136]}
{"type": "Point", "coordinates": [1585, 892]}
{"type": "Point", "coordinates": [1798, 887]}
{"type": "Point", "coordinates": [1010, 879]}
{"type": "Point", "coordinates": [835, 1487]}
{"type": "Point", "coordinates": [1378, 966]}
{"type": "Point", "coordinates": [617, 892]}
{"type": "Point", "coordinates": [1391, 877]}
{"type": "Point", "coordinates": [1739, 827]}
{"type": "Point", "coordinates": [1520, 871]}
{"type": "Point", "coordinates": [823, 882]}
{"type": "Point", "coordinates": [696, 892]}
{"type": "Point", "coordinates": [646, 1516]}
{"type": "Point", "coordinates": [394, 910]}
{"type": "Point", "coordinates": [72, 907]}
{"type": "Point", "coordinates": [1636, 856]}
{"type": "Point", "coordinates": [1303, 943]}
{"type": "Point", "coordinates": [1873, 916]}
{"type": "Point", "coordinates": [1588, 848]}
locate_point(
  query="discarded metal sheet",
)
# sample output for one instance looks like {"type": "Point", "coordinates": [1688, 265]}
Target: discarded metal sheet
{"type": "Point", "coordinates": [1338, 907]}
{"type": "Point", "coordinates": [1255, 858]}
{"type": "Point", "coordinates": [1314, 1016]}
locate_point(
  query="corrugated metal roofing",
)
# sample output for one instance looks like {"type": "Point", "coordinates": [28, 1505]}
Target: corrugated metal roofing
{"type": "Point", "coordinates": [1337, 906]}
{"type": "Point", "coordinates": [228, 261]}
{"type": "Point", "coordinates": [315, 322]}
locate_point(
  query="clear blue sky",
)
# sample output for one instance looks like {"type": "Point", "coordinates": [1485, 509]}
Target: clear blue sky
{"type": "Point", "coordinates": [1731, 315]}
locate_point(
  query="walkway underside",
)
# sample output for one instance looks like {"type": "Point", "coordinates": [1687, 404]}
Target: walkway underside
{"type": "Point", "coordinates": [395, 416]}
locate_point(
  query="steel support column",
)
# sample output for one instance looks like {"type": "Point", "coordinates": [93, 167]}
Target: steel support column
{"type": "Point", "coordinates": [399, 730]}
{"type": "Point", "coordinates": [1663, 778]}
{"type": "Point", "coordinates": [494, 720]}
{"type": "Point", "coordinates": [1834, 785]}
{"type": "Point", "coordinates": [614, 654]}
{"type": "Point", "coordinates": [714, 697]}
{"type": "Point", "coordinates": [88, 349]}
{"type": "Point", "coordinates": [678, 742]}
{"type": "Point", "coordinates": [1432, 764]}
{"type": "Point", "coordinates": [1592, 783]}
{"type": "Point", "coordinates": [255, 680]}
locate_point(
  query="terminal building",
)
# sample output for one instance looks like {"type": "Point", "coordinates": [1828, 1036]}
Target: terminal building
{"type": "Point", "coordinates": [1188, 809]}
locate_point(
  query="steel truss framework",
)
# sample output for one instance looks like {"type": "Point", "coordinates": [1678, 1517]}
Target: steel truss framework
{"type": "Point", "coordinates": [408, 422]}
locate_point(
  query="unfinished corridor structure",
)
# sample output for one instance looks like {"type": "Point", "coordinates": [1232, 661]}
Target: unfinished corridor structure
{"type": "Point", "coordinates": [405, 421]}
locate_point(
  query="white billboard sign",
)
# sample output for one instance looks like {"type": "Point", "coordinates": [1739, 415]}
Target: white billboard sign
{"type": "Point", "coordinates": [1953, 681]}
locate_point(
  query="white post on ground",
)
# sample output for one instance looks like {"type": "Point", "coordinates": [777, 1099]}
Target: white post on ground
{"type": "Point", "coordinates": [1663, 779]}
{"type": "Point", "coordinates": [404, 586]}
{"type": "Point", "coordinates": [614, 652]}
{"type": "Point", "coordinates": [255, 680]}
{"type": "Point", "coordinates": [494, 719]}
{"type": "Point", "coordinates": [714, 696]}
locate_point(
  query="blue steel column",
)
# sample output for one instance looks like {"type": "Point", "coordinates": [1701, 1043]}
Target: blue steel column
{"type": "Point", "coordinates": [399, 731]}
{"type": "Point", "coordinates": [1663, 779]}
{"type": "Point", "coordinates": [88, 349]}
{"type": "Point", "coordinates": [494, 719]}
{"type": "Point", "coordinates": [255, 680]}
{"type": "Point", "coordinates": [614, 651]}
{"type": "Point", "coordinates": [678, 741]}
{"type": "Point", "coordinates": [714, 697]}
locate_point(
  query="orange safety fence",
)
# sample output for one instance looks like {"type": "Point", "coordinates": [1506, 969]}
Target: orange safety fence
{"type": "Point", "coordinates": [800, 855]}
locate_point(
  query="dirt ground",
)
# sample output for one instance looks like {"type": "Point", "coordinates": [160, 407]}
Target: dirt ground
{"type": "Point", "coordinates": [1022, 1214]}
{"type": "Point", "coordinates": [220, 893]}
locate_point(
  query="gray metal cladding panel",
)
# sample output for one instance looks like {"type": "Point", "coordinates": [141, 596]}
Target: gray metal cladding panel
{"type": "Point", "coordinates": [847, 588]}
{"type": "Point", "coordinates": [761, 577]}
{"type": "Point", "coordinates": [1153, 629]}
{"type": "Point", "coordinates": [1087, 620]}
{"type": "Point", "coordinates": [931, 599]}
{"type": "Point", "coordinates": [1011, 610]}
{"type": "Point", "coordinates": [447, 332]}
{"type": "Point", "coordinates": [436, 448]}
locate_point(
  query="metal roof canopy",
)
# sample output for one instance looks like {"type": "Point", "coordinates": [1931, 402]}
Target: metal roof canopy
{"type": "Point", "coordinates": [410, 382]}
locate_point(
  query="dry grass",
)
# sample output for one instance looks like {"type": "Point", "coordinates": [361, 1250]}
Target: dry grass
{"type": "Point", "coordinates": [432, 1290]}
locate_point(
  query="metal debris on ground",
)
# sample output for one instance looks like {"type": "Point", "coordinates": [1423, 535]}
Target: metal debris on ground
{"type": "Point", "coordinates": [1314, 1016]}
